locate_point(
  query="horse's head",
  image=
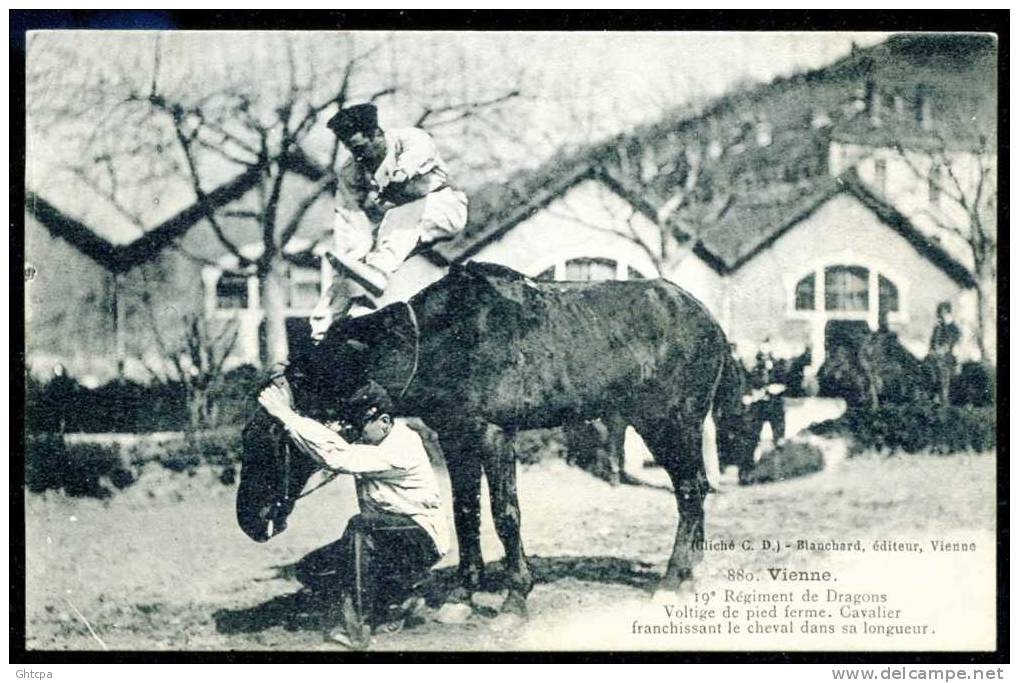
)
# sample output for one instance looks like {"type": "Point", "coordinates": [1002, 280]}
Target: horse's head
{"type": "Point", "coordinates": [273, 474]}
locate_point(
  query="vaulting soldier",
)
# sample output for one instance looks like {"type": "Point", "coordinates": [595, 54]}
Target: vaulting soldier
{"type": "Point", "coordinates": [394, 197]}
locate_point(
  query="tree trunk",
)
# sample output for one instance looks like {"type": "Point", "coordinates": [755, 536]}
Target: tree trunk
{"type": "Point", "coordinates": [985, 314]}
{"type": "Point", "coordinates": [273, 294]}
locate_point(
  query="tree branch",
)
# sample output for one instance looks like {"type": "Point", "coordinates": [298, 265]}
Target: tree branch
{"type": "Point", "coordinates": [294, 224]}
{"type": "Point", "coordinates": [462, 109]}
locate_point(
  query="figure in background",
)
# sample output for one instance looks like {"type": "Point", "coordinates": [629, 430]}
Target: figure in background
{"type": "Point", "coordinates": [944, 337]}
{"type": "Point", "coordinates": [767, 380]}
{"type": "Point", "coordinates": [394, 196]}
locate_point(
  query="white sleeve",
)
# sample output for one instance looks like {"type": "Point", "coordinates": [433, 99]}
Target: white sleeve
{"type": "Point", "coordinates": [331, 450]}
{"type": "Point", "coordinates": [416, 153]}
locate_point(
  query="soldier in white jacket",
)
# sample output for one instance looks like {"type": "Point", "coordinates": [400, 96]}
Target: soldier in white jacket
{"type": "Point", "coordinates": [394, 195]}
{"type": "Point", "coordinates": [401, 529]}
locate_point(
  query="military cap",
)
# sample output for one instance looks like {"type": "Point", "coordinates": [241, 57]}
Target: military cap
{"type": "Point", "coordinates": [368, 402]}
{"type": "Point", "coordinates": [360, 118]}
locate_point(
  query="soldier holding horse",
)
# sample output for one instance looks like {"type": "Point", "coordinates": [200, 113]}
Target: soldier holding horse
{"type": "Point", "coordinates": [486, 351]}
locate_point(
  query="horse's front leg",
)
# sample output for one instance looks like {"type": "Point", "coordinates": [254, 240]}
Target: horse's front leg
{"type": "Point", "coordinates": [501, 471]}
{"type": "Point", "coordinates": [464, 465]}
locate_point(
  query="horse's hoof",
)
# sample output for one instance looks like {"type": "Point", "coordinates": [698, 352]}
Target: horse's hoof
{"type": "Point", "coordinates": [459, 595]}
{"type": "Point", "coordinates": [514, 604]}
{"type": "Point", "coordinates": [672, 589]}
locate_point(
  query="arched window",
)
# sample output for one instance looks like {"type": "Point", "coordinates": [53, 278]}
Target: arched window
{"type": "Point", "coordinates": [232, 291]}
{"type": "Point", "coordinates": [805, 294]}
{"type": "Point", "coordinates": [590, 269]}
{"type": "Point", "coordinates": [845, 288]}
{"type": "Point", "coordinates": [888, 294]}
{"type": "Point", "coordinates": [634, 274]}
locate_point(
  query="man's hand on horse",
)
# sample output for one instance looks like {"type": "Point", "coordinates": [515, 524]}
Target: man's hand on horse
{"type": "Point", "coordinates": [275, 401]}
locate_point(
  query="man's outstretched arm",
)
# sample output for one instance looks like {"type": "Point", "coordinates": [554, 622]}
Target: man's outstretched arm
{"type": "Point", "coordinates": [322, 444]}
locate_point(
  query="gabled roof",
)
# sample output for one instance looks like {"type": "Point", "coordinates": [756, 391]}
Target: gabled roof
{"type": "Point", "coordinates": [512, 203]}
{"type": "Point", "coordinates": [955, 70]}
{"type": "Point", "coordinates": [752, 225]}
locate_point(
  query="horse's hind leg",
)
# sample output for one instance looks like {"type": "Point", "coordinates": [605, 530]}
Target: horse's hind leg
{"type": "Point", "coordinates": [676, 446]}
{"type": "Point", "coordinates": [464, 465]}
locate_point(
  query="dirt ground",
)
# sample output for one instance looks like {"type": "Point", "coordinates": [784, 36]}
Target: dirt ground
{"type": "Point", "coordinates": [163, 566]}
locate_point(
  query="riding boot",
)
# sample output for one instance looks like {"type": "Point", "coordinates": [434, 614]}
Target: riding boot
{"type": "Point", "coordinates": [371, 278]}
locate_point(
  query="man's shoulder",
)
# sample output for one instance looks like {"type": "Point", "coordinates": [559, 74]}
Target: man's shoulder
{"type": "Point", "coordinates": [405, 444]}
{"type": "Point", "coordinates": [404, 433]}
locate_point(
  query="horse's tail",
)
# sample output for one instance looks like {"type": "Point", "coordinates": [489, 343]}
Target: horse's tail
{"type": "Point", "coordinates": [722, 434]}
{"type": "Point", "coordinates": [735, 445]}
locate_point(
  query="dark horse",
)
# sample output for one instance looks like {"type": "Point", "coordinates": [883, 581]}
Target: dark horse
{"type": "Point", "coordinates": [486, 351]}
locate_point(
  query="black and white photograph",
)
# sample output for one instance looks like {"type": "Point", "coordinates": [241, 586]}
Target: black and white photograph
{"type": "Point", "coordinates": [386, 341]}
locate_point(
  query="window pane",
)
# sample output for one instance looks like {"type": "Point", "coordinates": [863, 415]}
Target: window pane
{"type": "Point", "coordinates": [633, 274]}
{"type": "Point", "coordinates": [888, 294]}
{"type": "Point", "coordinates": [591, 269]}
{"type": "Point", "coordinates": [304, 287]}
{"type": "Point", "coordinates": [232, 291]}
{"type": "Point", "coordinates": [845, 288]}
{"type": "Point", "coordinates": [805, 294]}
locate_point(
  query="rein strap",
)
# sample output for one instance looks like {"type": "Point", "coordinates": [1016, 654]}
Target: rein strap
{"type": "Point", "coordinates": [417, 349]}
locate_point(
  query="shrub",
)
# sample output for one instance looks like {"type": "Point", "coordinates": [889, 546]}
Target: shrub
{"type": "Point", "coordinates": [63, 405]}
{"type": "Point", "coordinates": [916, 427]}
{"type": "Point", "coordinates": [217, 448]}
{"type": "Point", "coordinates": [787, 461]}
{"type": "Point", "coordinates": [878, 358]}
{"type": "Point", "coordinates": [536, 445]}
{"type": "Point", "coordinates": [78, 469]}
{"type": "Point", "coordinates": [975, 385]}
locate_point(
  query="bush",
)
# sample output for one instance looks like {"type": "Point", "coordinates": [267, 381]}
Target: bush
{"type": "Point", "coordinates": [975, 385]}
{"type": "Point", "coordinates": [536, 445]}
{"type": "Point", "coordinates": [878, 357]}
{"type": "Point", "coordinates": [217, 448]}
{"type": "Point", "coordinates": [232, 399]}
{"type": "Point", "coordinates": [78, 469]}
{"type": "Point", "coordinates": [787, 461]}
{"type": "Point", "coordinates": [63, 405]}
{"type": "Point", "coordinates": [916, 427]}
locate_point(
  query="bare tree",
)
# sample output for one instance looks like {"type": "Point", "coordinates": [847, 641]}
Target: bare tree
{"type": "Point", "coordinates": [194, 353]}
{"type": "Point", "coordinates": [963, 192]}
{"type": "Point", "coordinates": [163, 125]}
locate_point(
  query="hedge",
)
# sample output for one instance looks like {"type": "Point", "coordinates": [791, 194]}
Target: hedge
{"type": "Point", "coordinates": [63, 405]}
{"type": "Point", "coordinates": [915, 428]}
{"type": "Point", "coordinates": [91, 468]}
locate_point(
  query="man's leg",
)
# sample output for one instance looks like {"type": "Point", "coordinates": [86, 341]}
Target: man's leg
{"type": "Point", "coordinates": [397, 236]}
{"type": "Point", "coordinates": [401, 554]}
{"type": "Point", "coordinates": [382, 555]}
{"type": "Point", "coordinates": [777, 418]}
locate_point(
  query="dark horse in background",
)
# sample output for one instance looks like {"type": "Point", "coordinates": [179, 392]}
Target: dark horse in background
{"type": "Point", "coordinates": [486, 351]}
